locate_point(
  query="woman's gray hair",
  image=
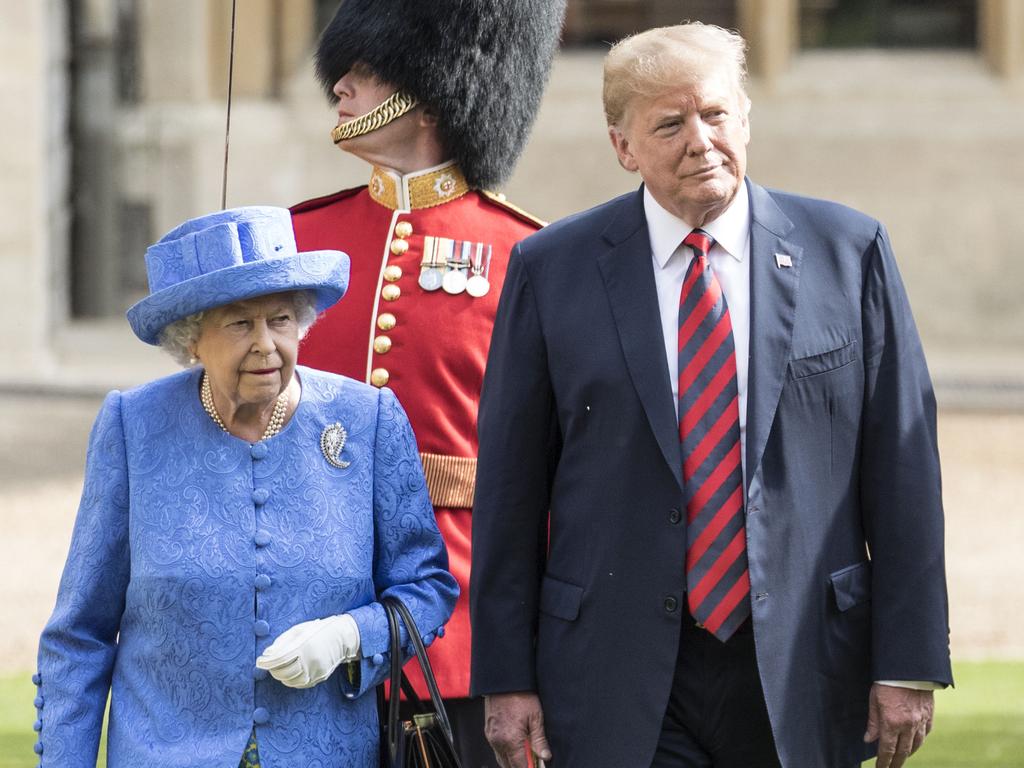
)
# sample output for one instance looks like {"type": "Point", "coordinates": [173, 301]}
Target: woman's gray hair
{"type": "Point", "coordinates": [653, 62]}
{"type": "Point", "coordinates": [178, 338]}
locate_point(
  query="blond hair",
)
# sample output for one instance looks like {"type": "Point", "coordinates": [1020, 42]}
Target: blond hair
{"type": "Point", "coordinates": [650, 63]}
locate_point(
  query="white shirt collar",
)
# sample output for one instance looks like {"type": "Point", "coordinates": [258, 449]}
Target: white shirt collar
{"type": "Point", "coordinates": [731, 230]}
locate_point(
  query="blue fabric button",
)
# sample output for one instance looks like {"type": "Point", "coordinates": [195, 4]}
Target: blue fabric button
{"type": "Point", "coordinates": [38, 748]}
{"type": "Point", "coordinates": [37, 726]}
{"type": "Point", "coordinates": [36, 679]}
{"type": "Point", "coordinates": [262, 538]}
{"type": "Point", "coordinates": [378, 659]}
{"type": "Point", "coordinates": [38, 702]}
{"type": "Point", "coordinates": [261, 628]}
{"type": "Point", "coordinates": [440, 631]}
{"type": "Point", "coordinates": [259, 674]}
{"type": "Point", "coordinates": [428, 640]}
{"type": "Point", "coordinates": [262, 581]}
{"type": "Point", "coordinates": [259, 451]}
{"type": "Point", "coordinates": [260, 716]}
{"type": "Point", "coordinates": [260, 496]}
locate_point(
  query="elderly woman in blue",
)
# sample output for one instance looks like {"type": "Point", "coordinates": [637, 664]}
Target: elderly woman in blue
{"type": "Point", "coordinates": [238, 524]}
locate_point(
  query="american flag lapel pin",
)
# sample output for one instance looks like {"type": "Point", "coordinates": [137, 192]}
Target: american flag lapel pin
{"type": "Point", "coordinates": [783, 260]}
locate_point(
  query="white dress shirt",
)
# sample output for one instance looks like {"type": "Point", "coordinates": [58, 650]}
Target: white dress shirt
{"type": "Point", "coordinates": [730, 261]}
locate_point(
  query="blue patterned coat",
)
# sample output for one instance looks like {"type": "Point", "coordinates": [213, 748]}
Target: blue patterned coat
{"type": "Point", "coordinates": [193, 550]}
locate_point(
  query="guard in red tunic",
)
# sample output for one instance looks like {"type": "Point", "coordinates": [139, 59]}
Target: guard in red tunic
{"type": "Point", "coordinates": [438, 98]}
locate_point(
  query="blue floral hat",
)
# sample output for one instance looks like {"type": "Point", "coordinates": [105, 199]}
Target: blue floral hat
{"type": "Point", "coordinates": [229, 256]}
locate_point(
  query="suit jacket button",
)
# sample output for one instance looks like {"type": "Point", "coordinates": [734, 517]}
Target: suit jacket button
{"type": "Point", "coordinates": [674, 517]}
{"type": "Point", "coordinates": [671, 604]}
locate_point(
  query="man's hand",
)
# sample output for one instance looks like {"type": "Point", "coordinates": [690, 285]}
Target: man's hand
{"type": "Point", "coordinates": [510, 721]}
{"type": "Point", "coordinates": [899, 718]}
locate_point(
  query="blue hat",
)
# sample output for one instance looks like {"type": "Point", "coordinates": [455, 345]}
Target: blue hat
{"type": "Point", "coordinates": [229, 256]}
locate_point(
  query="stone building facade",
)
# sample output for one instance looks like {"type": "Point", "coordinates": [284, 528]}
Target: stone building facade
{"type": "Point", "coordinates": [114, 132]}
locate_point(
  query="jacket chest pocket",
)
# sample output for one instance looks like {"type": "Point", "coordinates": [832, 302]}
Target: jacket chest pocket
{"type": "Point", "coordinates": [823, 362]}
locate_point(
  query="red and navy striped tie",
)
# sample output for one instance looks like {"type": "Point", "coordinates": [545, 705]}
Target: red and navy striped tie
{"type": "Point", "coordinates": [718, 583]}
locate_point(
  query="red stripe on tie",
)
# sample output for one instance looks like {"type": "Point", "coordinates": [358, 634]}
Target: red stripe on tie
{"type": "Point", "coordinates": [718, 569]}
{"type": "Point", "coordinates": [704, 305]}
{"type": "Point", "coordinates": [711, 344]}
{"type": "Point", "coordinates": [700, 406]}
{"type": "Point", "coordinates": [710, 533]}
{"type": "Point", "coordinates": [691, 278]}
{"type": "Point", "coordinates": [725, 608]}
{"type": "Point", "coordinates": [713, 483]}
{"type": "Point", "coordinates": [730, 416]}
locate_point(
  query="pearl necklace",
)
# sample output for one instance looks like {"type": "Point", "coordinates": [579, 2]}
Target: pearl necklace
{"type": "Point", "coordinates": [276, 418]}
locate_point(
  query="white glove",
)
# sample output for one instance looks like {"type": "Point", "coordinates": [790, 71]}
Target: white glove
{"type": "Point", "coordinates": [309, 652]}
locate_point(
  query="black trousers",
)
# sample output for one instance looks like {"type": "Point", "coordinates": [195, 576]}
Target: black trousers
{"type": "Point", "coordinates": [716, 715]}
{"type": "Point", "coordinates": [467, 719]}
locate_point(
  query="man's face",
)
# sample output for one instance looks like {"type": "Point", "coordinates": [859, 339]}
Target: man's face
{"type": "Point", "coordinates": [689, 146]}
{"type": "Point", "coordinates": [360, 91]}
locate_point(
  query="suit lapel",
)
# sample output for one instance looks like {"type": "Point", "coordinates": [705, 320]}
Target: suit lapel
{"type": "Point", "coordinates": [773, 298]}
{"type": "Point", "coordinates": [628, 273]}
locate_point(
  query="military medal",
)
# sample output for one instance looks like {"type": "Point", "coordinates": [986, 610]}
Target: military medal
{"type": "Point", "coordinates": [478, 285]}
{"type": "Point", "coordinates": [455, 278]}
{"type": "Point", "coordinates": [431, 276]}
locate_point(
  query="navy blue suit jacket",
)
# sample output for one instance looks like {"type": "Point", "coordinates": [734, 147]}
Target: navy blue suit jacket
{"type": "Point", "coordinates": [578, 550]}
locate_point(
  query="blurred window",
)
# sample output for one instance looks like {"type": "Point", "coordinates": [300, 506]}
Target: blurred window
{"type": "Point", "coordinates": [888, 23]}
{"type": "Point", "coordinates": [600, 22]}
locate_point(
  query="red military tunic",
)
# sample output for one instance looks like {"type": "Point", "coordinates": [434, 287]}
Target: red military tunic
{"type": "Point", "coordinates": [430, 347]}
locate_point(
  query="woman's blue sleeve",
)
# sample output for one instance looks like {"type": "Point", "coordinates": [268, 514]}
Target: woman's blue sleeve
{"type": "Point", "coordinates": [410, 559]}
{"type": "Point", "coordinates": [79, 644]}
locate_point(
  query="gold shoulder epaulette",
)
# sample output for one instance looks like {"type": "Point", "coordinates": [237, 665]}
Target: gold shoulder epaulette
{"type": "Point", "coordinates": [499, 199]}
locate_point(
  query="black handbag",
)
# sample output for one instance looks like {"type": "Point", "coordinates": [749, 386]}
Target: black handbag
{"type": "Point", "coordinates": [424, 740]}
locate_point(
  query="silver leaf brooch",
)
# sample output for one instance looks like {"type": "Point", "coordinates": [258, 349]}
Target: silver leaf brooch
{"type": "Point", "coordinates": [332, 443]}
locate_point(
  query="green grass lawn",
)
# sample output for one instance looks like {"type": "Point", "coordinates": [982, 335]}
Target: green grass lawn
{"type": "Point", "coordinates": [980, 724]}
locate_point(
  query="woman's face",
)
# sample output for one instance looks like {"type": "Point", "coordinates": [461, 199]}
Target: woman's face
{"type": "Point", "coordinates": [249, 348]}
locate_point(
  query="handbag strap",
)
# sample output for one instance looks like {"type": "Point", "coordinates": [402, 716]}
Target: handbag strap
{"type": "Point", "coordinates": [397, 611]}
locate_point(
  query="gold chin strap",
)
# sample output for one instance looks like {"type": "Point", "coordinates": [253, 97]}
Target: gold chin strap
{"type": "Point", "coordinates": [392, 108]}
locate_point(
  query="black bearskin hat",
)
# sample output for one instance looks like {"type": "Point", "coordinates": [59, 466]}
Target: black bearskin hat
{"type": "Point", "coordinates": [481, 64]}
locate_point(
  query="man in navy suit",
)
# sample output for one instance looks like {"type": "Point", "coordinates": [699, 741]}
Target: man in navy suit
{"type": "Point", "coordinates": [708, 525]}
